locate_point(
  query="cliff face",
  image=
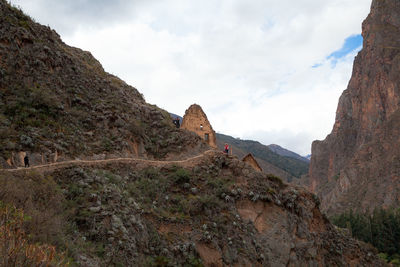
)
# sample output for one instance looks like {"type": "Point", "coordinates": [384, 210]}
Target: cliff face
{"type": "Point", "coordinates": [57, 102]}
{"type": "Point", "coordinates": [358, 164]}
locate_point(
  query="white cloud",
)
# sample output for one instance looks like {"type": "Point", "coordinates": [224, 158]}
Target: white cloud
{"type": "Point", "coordinates": [247, 63]}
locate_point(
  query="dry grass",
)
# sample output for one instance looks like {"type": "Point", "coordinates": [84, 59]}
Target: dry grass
{"type": "Point", "coordinates": [15, 249]}
{"type": "Point", "coordinates": [41, 200]}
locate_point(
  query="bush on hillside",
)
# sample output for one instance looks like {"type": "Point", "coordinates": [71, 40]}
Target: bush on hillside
{"type": "Point", "coordinates": [15, 249]}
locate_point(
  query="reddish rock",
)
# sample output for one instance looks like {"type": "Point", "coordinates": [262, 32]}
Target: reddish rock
{"type": "Point", "coordinates": [358, 165]}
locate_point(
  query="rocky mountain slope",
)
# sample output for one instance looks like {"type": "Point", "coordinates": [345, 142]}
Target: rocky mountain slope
{"type": "Point", "coordinates": [57, 102]}
{"type": "Point", "coordinates": [357, 166]}
{"type": "Point", "coordinates": [213, 210]}
{"type": "Point", "coordinates": [287, 153]}
{"type": "Point", "coordinates": [207, 209]}
{"type": "Point", "coordinates": [288, 168]}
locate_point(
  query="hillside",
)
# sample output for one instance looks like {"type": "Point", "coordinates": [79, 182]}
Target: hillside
{"type": "Point", "coordinates": [113, 182]}
{"type": "Point", "coordinates": [211, 210]}
{"type": "Point", "coordinates": [287, 153]}
{"type": "Point", "coordinates": [286, 167]}
{"type": "Point", "coordinates": [57, 102]}
{"type": "Point", "coordinates": [357, 166]}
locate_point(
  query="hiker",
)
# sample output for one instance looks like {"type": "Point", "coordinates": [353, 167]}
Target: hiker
{"type": "Point", "coordinates": [226, 148]}
{"type": "Point", "coordinates": [177, 122]}
{"type": "Point", "coordinates": [201, 127]}
{"type": "Point", "coordinates": [26, 161]}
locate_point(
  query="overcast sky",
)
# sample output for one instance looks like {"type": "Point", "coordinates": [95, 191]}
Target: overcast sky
{"type": "Point", "coordinates": [267, 70]}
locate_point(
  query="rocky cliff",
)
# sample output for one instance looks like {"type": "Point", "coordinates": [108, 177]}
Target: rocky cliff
{"type": "Point", "coordinates": [358, 165]}
{"type": "Point", "coordinates": [57, 103]}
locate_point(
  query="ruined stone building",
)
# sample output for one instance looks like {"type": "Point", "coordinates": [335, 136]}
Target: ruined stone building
{"type": "Point", "coordinates": [195, 120]}
{"type": "Point", "coordinates": [252, 161]}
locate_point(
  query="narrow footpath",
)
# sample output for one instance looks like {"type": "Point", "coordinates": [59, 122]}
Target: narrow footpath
{"type": "Point", "coordinates": [189, 162]}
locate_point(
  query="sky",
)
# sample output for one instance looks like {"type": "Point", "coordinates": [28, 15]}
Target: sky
{"type": "Point", "coordinates": [265, 70]}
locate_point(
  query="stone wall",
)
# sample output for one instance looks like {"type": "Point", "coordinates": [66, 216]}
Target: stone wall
{"type": "Point", "coordinates": [195, 120]}
{"type": "Point", "coordinates": [252, 162]}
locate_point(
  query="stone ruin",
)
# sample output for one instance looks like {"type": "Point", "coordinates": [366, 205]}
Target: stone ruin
{"type": "Point", "coordinates": [252, 162]}
{"type": "Point", "coordinates": [195, 120]}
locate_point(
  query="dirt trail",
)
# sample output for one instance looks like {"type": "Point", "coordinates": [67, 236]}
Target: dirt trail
{"type": "Point", "coordinates": [157, 163]}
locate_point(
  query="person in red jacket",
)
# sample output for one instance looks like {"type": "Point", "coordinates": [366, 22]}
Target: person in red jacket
{"type": "Point", "coordinates": [226, 148]}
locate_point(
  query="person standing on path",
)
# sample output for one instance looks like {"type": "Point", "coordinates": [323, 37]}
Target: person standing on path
{"type": "Point", "coordinates": [226, 149]}
{"type": "Point", "coordinates": [26, 161]}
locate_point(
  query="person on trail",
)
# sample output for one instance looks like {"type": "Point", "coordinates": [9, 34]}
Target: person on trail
{"type": "Point", "coordinates": [226, 148]}
{"type": "Point", "coordinates": [201, 127]}
{"type": "Point", "coordinates": [177, 122]}
{"type": "Point", "coordinates": [26, 161]}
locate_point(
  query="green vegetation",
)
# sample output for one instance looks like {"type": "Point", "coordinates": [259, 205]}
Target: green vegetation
{"type": "Point", "coordinates": [381, 229]}
{"type": "Point", "coordinates": [176, 192]}
{"type": "Point", "coordinates": [21, 19]}
{"type": "Point", "coordinates": [28, 113]}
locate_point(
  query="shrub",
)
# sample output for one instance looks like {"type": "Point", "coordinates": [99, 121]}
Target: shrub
{"type": "Point", "coordinates": [40, 198]}
{"type": "Point", "coordinates": [15, 249]}
{"type": "Point", "coordinates": [181, 176]}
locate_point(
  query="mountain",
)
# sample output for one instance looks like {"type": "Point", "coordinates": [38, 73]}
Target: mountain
{"type": "Point", "coordinates": [114, 183]}
{"type": "Point", "coordinates": [357, 166]}
{"type": "Point", "coordinates": [286, 167]}
{"type": "Point", "coordinates": [286, 153]}
{"type": "Point", "coordinates": [57, 103]}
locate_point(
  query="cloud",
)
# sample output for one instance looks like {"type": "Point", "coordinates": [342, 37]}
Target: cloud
{"type": "Point", "coordinates": [67, 16]}
{"type": "Point", "coordinates": [255, 67]}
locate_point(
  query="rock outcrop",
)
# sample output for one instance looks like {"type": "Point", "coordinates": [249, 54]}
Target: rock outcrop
{"type": "Point", "coordinates": [195, 120]}
{"type": "Point", "coordinates": [357, 166]}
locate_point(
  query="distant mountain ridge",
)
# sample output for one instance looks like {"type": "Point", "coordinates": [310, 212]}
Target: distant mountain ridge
{"type": "Point", "coordinates": [273, 158]}
{"type": "Point", "coordinates": [286, 167]}
{"type": "Point", "coordinates": [287, 153]}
